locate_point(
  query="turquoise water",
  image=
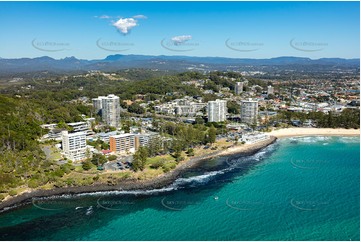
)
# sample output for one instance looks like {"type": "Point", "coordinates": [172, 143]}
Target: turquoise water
{"type": "Point", "coordinates": [303, 188]}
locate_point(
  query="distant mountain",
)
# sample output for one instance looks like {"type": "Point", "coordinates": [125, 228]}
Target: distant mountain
{"type": "Point", "coordinates": [177, 63]}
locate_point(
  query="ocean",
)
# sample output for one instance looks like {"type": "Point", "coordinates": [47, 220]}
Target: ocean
{"type": "Point", "coordinates": [301, 188]}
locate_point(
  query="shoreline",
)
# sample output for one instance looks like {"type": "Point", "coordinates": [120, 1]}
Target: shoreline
{"type": "Point", "coordinates": [127, 185]}
{"type": "Point", "coordinates": [294, 132]}
{"type": "Point", "coordinates": [168, 178]}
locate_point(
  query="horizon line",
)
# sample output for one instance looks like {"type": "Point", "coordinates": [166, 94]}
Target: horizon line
{"type": "Point", "coordinates": [235, 58]}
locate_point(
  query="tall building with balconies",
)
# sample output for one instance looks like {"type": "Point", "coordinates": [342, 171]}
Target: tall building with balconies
{"type": "Point", "coordinates": [122, 143]}
{"type": "Point", "coordinates": [74, 145]}
{"type": "Point", "coordinates": [111, 110]}
{"type": "Point", "coordinates": [270, 90]}
{"type": "Point", "coordinates": [97, 104]}
{"type": "Point", "coordinates": [249, 111]}
{"type": "Point", "coordinates": [217, 110]}
{"type": "Point", "coordinates": [238, 88]}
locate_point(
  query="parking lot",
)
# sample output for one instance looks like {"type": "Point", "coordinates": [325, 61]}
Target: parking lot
{"type": "Point", "coordinates": [121, 163]}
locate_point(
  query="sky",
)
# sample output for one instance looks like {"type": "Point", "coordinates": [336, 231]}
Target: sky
{"type": "Point", "coordinates": [94, 30]}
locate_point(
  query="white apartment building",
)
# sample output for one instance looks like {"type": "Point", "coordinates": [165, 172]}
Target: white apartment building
{"type": "Point", "coordinates": [145, 139]}
{"type": "Point", "coordinates": [217, 110]}
{"type": "Point", "coordinates": [74, 145]}
{"type": "Point", "coordinates": [111, 110]}
{"type": "Point", "coordinates": [97, 104]}
{"type": "Point", "coordinates": [270, 90]}
{"type": "Point", "coordinates": [249, 111]}
{"type": "Point", "coordinates": [122, 143]}
{"type": "Point", "coordinates": [238, 88]}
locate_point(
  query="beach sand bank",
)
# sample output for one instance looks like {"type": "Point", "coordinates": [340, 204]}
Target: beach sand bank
{"type": "Point", "coordinates": [291, 132]}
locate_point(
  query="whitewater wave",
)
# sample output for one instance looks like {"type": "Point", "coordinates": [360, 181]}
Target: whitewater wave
{"type": "Point", "coordinates": [311, 139]}
{"type": "Point", "coordinates": [247, 160]}
{"type": "Point", "coordinates": [119, 192]}
{"type": "Point", "coordinates": [355, 139]}
{"type": "Point", "coordinates": [200, 179]}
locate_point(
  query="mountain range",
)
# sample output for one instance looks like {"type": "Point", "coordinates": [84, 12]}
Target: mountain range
{"type": "Point", "coordinates": [176, 63]}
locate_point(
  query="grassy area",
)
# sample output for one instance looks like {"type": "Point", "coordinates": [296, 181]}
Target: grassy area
{"type": "Point", "coordinates": [54, 152]}
{"type": "Point", "coordinates": [148, 173]}
{"type": "Point", "coordinates": [78, 169]}
{"type": "Point", "coordinates": [223, 143]}
{"type": "Point", "coordinates": [156, 159]}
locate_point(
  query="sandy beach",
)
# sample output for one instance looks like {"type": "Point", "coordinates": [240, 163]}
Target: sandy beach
{"type": "Point", "coordinates": [282, 133]}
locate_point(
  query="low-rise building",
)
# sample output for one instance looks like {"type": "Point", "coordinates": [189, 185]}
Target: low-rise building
{"type": "Point", "coordinates": [79, 126]}
{"type": "Point", "coordinates": [55, 134]}
{"type": "Point", "coordinates": [253, 138]}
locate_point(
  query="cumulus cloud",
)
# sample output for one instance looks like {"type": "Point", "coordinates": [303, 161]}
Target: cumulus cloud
{"type": "Point", "coordinates": [140, 16]}
{"type": "Point", "coordinates": [181, 39]}
{"type": "Point", "coordinates": [124, 25]}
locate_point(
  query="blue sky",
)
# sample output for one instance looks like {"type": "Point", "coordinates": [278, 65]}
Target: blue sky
{"type": "Point", "coordinates": [93, 30]}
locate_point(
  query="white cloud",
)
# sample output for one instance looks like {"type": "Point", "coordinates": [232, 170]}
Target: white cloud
{"type": "Point", "coordinates": [140, 16]}
{"type": "Point", "coordinates": [103, 17]}
{"type": "Point", "coordinates": [124, 25]}
{"type": "Point", "coordinates": [181, 39]}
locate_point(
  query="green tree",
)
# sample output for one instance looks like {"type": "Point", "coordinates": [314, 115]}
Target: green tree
{"type": "Point", "coordinates": [104, 146]}
{"type": "Point", "coordinates": [98, 159]}
{"type": "Point", "coordinates": [233, 107]}
{"type": "Point", "coordinates": [136, 108]}
{"type": "Point", "coordinates": [112, 157]}
{"type": "Point", "coordinates": [199, 120]}
{"type": "Point", "coordinates": [177, 147]}
{"type": "Point", "coordinates": [139, 159]}
{"type": "Point", "coordinates": [212, 133]}
{"type": "Point", "coordinates": [190, 152]}
{"type": "Point", "coordinates": [86, 165]}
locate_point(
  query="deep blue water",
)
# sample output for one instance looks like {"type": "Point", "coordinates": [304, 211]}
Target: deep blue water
{"type": "Point", "coordinates": [304, 188]}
